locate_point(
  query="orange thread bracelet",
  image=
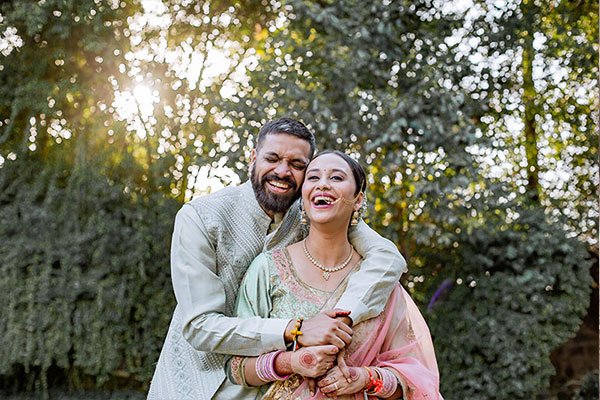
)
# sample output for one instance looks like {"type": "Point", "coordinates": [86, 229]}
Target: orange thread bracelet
{"type": "Point", "coordinates": [374, 385]}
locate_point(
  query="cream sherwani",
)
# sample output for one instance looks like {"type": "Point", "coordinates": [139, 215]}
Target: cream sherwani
{"type": "Point", "coordinates": [215, 239]}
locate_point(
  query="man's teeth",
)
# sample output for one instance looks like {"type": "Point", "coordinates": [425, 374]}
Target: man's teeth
{"type": "Point", "coordinates": [280, 185]}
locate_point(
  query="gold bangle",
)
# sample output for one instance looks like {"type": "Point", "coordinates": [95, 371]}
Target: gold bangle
{"type": "Point", "coordinates": [243, 372]}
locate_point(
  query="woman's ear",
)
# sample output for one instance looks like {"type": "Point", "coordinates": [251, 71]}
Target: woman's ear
{"type": "Point", "coordinates": [359, 201]}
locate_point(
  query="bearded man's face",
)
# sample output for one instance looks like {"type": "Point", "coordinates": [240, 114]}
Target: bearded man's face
{"type": "Point", "coordinates": [278, 171]}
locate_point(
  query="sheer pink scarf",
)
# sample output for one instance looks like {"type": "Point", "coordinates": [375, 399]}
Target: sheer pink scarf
{"type": "Point", "coordinates": [399, 340]}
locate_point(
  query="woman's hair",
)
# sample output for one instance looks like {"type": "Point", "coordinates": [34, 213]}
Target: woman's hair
{"type": "Point", "coordinates": [357, 170]}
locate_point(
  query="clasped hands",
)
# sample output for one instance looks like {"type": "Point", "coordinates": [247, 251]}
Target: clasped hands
{"type": "Point", "coordinates": [323, 340]}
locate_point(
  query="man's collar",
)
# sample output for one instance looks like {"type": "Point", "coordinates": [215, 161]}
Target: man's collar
{"type": "Point", "coordinates": [277, 217]}
{"type": "Point", "coordinates": [251, 202]}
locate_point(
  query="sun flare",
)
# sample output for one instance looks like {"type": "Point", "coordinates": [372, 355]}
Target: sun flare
{"type": "Point", "coordinates": [136, 103]}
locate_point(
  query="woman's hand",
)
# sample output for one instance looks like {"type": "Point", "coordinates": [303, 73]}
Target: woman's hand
{"type": "Point", "coordinates": [334, 384]}
{"type": "Point", "coordinates": [314, 361]}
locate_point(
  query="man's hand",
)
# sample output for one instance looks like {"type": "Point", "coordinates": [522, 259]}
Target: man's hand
{"type": "Point", "coordinates": [324, 328]}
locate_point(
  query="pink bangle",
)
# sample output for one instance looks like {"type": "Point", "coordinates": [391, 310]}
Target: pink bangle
{"type": "Point", "coordinates": [265, 367]}
{"type": "Point", "coordinates": [390, 383]}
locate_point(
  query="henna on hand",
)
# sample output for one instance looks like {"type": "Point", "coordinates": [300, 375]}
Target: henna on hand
{"type": "Point", "coordinates": [308, 360]}
{"type": "Point", "coordinates": [283, 364]}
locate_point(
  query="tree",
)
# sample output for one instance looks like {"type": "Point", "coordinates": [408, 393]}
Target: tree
{"type": "Point", "coordinates": [84, 236]}
{"type": "Point", "coordinates": [128, 111]}
{"type": "Point", "coordinates": [392, 92]}
{"type": "Point", "coordinates": [534, 84]}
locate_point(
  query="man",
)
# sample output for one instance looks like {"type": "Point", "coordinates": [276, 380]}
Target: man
{"type": "Point", "coordinates": [215, 239]}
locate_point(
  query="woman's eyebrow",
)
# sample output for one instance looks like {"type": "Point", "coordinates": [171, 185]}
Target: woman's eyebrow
{"type": "Point", "coordinates": [333, 170]}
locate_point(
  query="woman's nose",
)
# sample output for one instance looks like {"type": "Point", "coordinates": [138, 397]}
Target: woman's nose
{"type": "Point", "coordinates": [323, 183]}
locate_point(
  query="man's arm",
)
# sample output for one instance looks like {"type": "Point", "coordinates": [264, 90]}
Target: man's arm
{"type": "Point", "coordinates": [201, 297]}
{"type": "Point", "coordinates": [369, 288]}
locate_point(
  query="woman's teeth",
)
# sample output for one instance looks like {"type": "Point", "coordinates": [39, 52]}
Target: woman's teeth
{"type": "Point", "coordinates": [322, 200]}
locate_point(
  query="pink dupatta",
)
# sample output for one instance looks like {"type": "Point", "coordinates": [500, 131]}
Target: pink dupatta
{"type": "Point", "coordinates": [398, 339]}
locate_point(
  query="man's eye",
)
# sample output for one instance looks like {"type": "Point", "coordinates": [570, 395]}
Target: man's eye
{"type": "Point", "coordinates": [271, 160]}
{"type": "Point", "coordinates": [299, 167]}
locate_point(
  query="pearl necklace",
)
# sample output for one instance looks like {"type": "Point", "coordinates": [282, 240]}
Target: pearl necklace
{"type": "Point", "coordinates": [327, 271]}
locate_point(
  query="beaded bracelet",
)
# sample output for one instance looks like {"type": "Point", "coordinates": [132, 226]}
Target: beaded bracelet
{"type": "Point", "coordinates": [265, 367]}
{"type": "Point", "coordinates": [296, 332]}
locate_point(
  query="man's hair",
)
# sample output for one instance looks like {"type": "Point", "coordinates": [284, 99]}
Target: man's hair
{"type": "Point", "coordinates": [357, 170]}
{"type": "Point", "coordinates": [287, 126]}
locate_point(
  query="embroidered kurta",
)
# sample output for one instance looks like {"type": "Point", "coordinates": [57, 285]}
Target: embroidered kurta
{"type": "Point", "coordinates": [215, 238]}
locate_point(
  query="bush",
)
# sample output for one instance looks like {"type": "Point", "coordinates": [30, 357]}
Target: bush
{"type": "Point", "coordinates": [84, 276]}
{"type": "Point", "coordinates": [520, 290]}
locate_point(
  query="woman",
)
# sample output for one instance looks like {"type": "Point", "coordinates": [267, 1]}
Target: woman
{"type": "Point", "coordinates": [391, 356]}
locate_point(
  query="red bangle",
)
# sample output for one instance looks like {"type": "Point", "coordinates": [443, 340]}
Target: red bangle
{"type": "Point", "coordinates": [374, 385]}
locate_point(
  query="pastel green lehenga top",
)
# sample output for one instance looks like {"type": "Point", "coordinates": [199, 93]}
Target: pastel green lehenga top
{"type": "Point", "coordinates": [272, 288]}
{"type": "Point", "coordinates": [397, 339]}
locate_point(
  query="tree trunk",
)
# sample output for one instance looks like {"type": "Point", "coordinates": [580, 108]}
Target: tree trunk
{"type": "Point", "coordinates": [531, 148]}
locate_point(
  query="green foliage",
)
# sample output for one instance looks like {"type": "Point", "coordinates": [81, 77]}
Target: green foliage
{"type": "Point", "coordinates": [89, 188]}
{"type": "Point", "coordinates": [84, 275]}
{"type": "Point", "coordinates": [366, 88]}
{"type": "Point", "coordinates": [521, 290]}
{"type": "Point", "coordinates": [589, 388]}
{"type": "Point", "coordinates": [538, 65]}
{"type": "Point", "coordinates": [85, 220]}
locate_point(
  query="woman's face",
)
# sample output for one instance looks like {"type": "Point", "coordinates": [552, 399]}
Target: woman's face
{"type": "Point", "coordinates": [328, 190]}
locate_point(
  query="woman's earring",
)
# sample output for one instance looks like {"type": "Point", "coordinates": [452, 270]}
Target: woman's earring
{"type": "Point", "coordinates": [355, 217]}
{"type": "Point", "coordinates": [303, 219]}
{"type": "Point", "coordinates": [357, 214]}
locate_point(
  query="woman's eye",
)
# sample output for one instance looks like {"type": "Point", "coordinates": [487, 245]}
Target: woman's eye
{"type": "Point", "coordinates": [337, 178]}
{"type": "Point", "coordinates": [311, 178]}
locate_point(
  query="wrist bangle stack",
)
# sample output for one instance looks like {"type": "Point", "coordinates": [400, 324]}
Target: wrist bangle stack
{"type": "Point", "coordinates": [265, 367]}
{"type": "Point", "coordinates": [296, 332]}
{"type": "Point", "coordinates": [382, 386]}
{"type": "Point", "coordinates": [390, 382]}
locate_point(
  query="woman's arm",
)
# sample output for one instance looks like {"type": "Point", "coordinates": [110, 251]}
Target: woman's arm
{"type": "Point", "coordinates": [309, 362]}
{"type": "Point", "coordinates": [254, 299]}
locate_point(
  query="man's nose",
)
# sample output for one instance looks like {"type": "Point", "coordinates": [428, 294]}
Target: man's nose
{"type": "Point", "coordinates": [282, 169]}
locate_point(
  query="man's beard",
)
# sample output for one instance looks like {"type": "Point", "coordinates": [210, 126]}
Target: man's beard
{"type": "Point", "coordinates": [276, 203]}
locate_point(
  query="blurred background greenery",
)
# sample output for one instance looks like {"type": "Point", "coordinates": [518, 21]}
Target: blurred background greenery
{"type": "Point", "coordinates": [477, 121]}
